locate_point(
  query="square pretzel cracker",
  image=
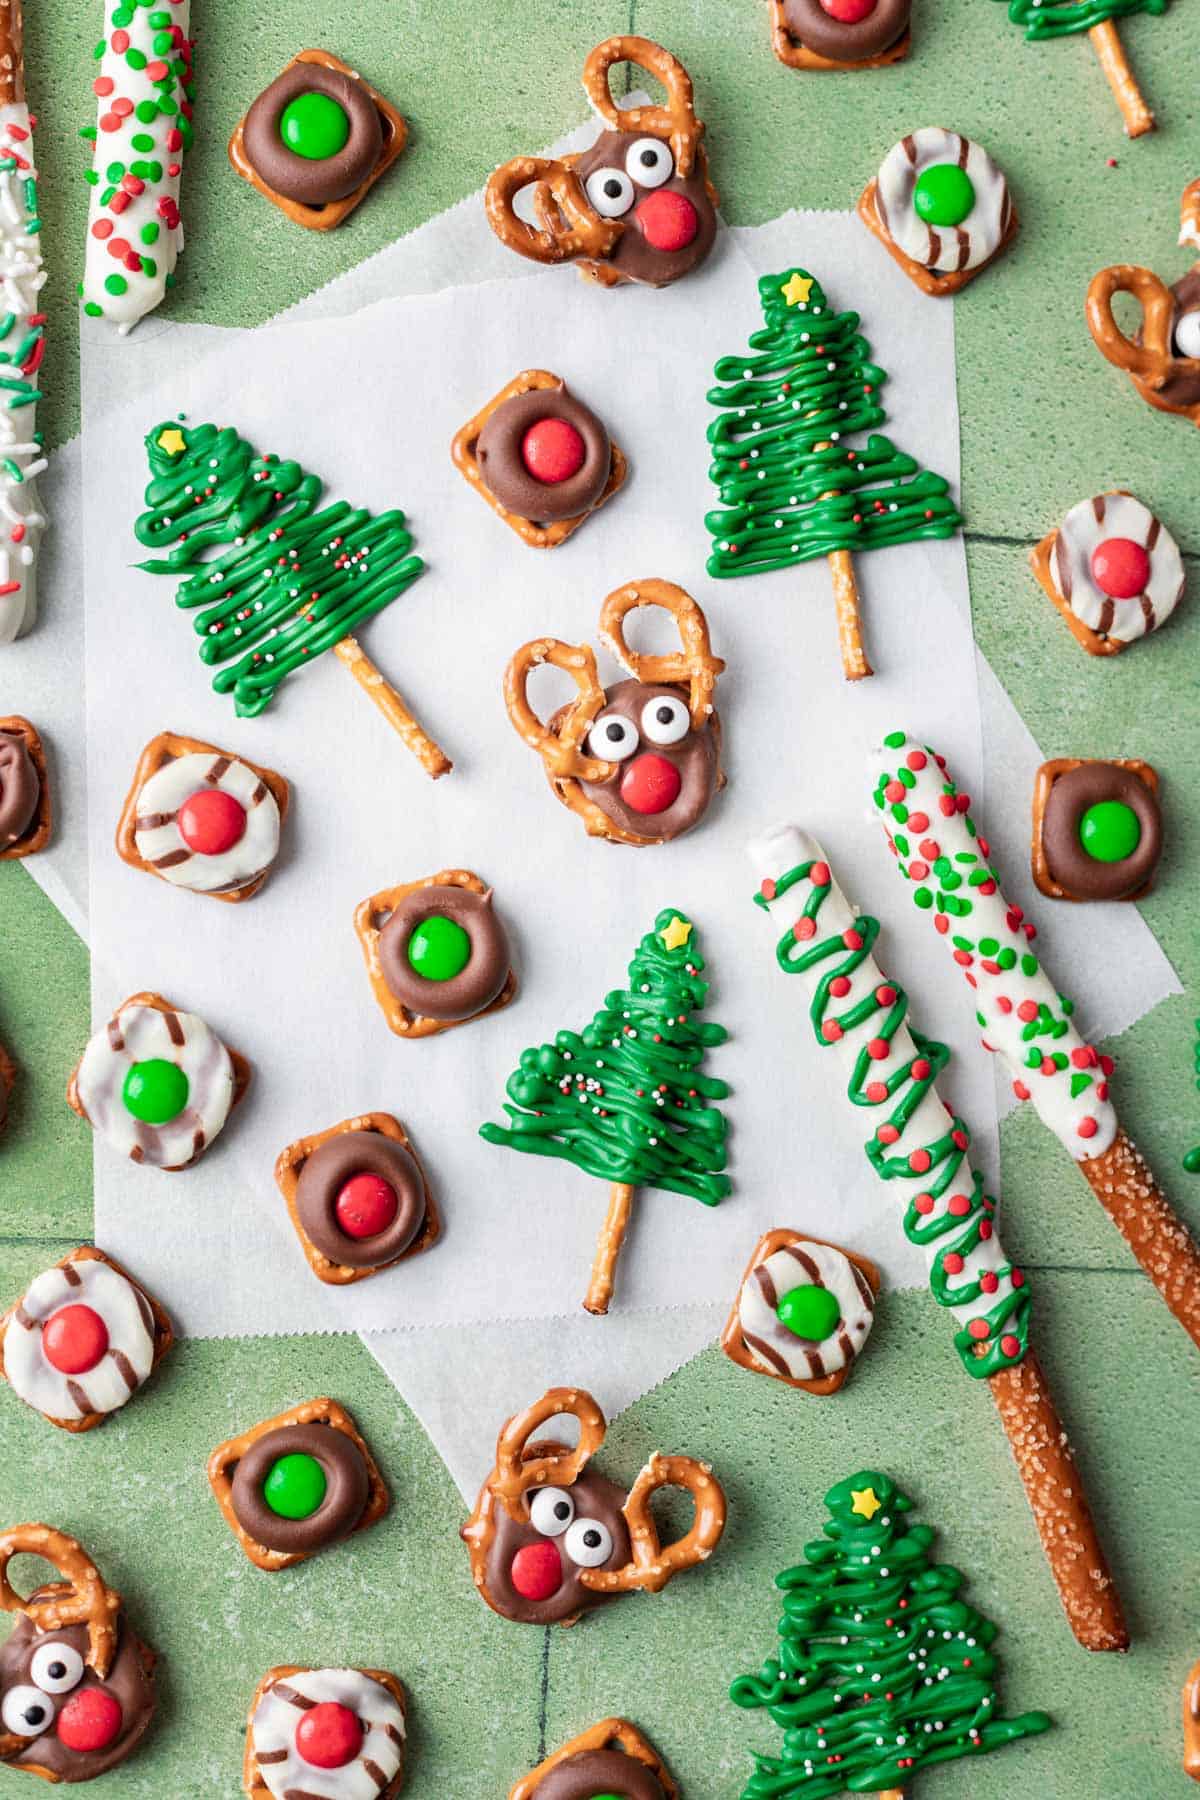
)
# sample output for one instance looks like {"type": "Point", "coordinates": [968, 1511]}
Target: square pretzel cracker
{"type": "Point", "coordinates": [796, 55]}
{"type": "Point", "coordinates": [732, 1342]}
{"type": "Point", "coordinates": [372, 915]}
{"type": "Point", "coordinates": [926, 279]}
{"type": "Point", "coordinates": [324, 218]}
{"type": "Point", "coordinates": [226, 1457]}
{"type": "Point", "coordinates": [252, 1783]}
{"type": "Point", "coordinates": [167, 748]}
{"type": "Point", "coordinates": [609, 1734]}
{"type": "Point", "coordinates": [163, 1331]}
{"type": "Point", "coordinates": [241, 1071]}
{"type": "Point", "coordinates": [1047, 775]}
{"type": "Point", "coordinates": [545, 536]}
{"type": "Point", "coordinates": [1039, 562]}
{"type": "Point", "coordinates": [290, 1166]}
{"type": "Point", "coordinates": [37, 834]}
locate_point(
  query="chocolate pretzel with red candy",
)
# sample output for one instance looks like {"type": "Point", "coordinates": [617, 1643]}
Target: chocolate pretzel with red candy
{"type": "Point", "coordinates": [638, 205]}
{"type": "Point", "coordinates": [840, 34]}
{"type": "Point", "coordinates": [550, 1539]}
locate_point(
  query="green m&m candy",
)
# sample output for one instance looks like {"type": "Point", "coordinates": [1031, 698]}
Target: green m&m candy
{"type": "Point", "coordinates": [155, 1091]}
{"type": "Point", "coordinates": [809, 1312]}
{"type": "Point", "coordinates": [944, 195]}
{"type": "Point", "coordinates": [295, 1486]}
{"type": "Point", "coordinates": [439, 948]}
{"type": "Point", "coordinates": [314, 126]}
{"type": "Point", "coordinates": [1110, 831]}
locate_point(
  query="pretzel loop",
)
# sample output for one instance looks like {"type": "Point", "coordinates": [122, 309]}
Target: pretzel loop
{"type": "Point", "coordinates": [652, 1566]}
{"type": "Point", "coordinates": [1150, 362]}
{"type": "Point", "coordinates": [676, 121]}
{"type": "Point", "coordinates": [695, 667]}
{"type": "Point", "coordinates": [568, 226]}
{"type": "Point", "coordinates": [81, 1599]}
{"type": "Point", "coordinates": [560, 751]}
{"type": "Point", "coordinates": [519, 1466]}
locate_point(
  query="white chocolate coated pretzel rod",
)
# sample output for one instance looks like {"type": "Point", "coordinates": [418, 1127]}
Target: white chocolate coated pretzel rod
{"type": "Point", "coordinates": [940, 851]}
{"type": "Point", "coordinates": [22, 340]}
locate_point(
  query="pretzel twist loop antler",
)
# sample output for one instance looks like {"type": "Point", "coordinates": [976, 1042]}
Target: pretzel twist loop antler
{"type": "Point", "coordinates": [560, 751]}
{"type": "Point", "coordinates": [519, 1467]}
{"type": "Point", "coordinates": [695, 668]}
{"type": "Point", "coordinates": [653, 1566]}
{"type": "Point", "coordinates": [676, 121]}
{"type": "Point", "coordinates": [83, 1598]}
{"type": "Point", "coordinates": [1151, 362]}
{"type": "Point", "coordinates": [569, 226]}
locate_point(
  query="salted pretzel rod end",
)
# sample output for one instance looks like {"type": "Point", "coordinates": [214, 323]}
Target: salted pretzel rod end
{"type": "Point", "coordinates": [1110, 51]}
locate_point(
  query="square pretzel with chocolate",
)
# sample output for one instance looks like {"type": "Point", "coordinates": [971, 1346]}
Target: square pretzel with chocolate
{"type": "Point", "coordinates": [437, 954]}
{"type": "Point", "coordinates": [26, 816]}
{"type": "Point", "coordinates": [803, 1312]}
{"type": "Point", "coordinates": [540, 458]}
{"type": "Point", "coordinates": [82, 1340]}
{"type": "Point", "coordinates": [317, 140]}
{"type": "Point", "coordinates": [358, 1198]}
{"type": "Point", "coordinates": [201, 818]}
{"type": "Point", "coordinates": [297, 1483]}
{"type": "Point", "coordinates": [840, 34]}
{"type": "Point", "coordinates": [1097, 829]}
{"type": "Point", "coordinates": [343, 1731]}
{"type": "Point", "coordinates": [607, 1759]}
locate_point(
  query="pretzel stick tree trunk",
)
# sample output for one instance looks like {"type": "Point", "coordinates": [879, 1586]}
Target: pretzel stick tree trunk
{"type": "Point", "coordinates": [918, 1145]}
{"type": "Point", "coordinates": [1106, 42]}
{"type": "Point", "coordinates": [391, 704]}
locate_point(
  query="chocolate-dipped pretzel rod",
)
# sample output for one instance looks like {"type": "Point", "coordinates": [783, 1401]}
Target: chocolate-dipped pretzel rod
{"type": "Point", "coordinates": [940, 851]}
{"type": "Point", "coordinates": [920, 1147]}
{"type": "Point", "coordinates": [22, 339]}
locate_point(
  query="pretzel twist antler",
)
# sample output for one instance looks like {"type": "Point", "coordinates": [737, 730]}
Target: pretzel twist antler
{"type": "Point", "coordinates": [82, 1598]}
{"type": "Point", "coordinates": [569, 226]}
{"type": "Point", "coordinates": [696, 668]}
{"type": "Point", "coordinates": [653, 1566]}
{"type": "Point", "coordinates": [1151, 362]}
{"type": "Point", "coordinates": [560, 751]}
{"type": "Point", "coordinates": [677, 121]}
{"type": "Point", "coordinates": [519, 1467]}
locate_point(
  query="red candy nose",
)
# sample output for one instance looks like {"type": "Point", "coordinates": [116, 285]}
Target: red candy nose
{"type": "Point", "coordinates": [329, 1736]}
{"type": "Point", "coordinates": [365, 1206]}
{"type": "Point", "coordinates": [1121, 568]}
{"type": "Point", "coordinates": [91, 1720]}
{"type": "Point", "coordinates": [211, 822]}
{"type": "Point", "coordinates": [668, 220]}
{"type": "Point", "coordinates": [536, 1571]}
{"type": "Point", "coordinates": [553, 451]}
{"type": "Point", "coordinates": [848, 12]}
{"type": "Point", "coordinates": [650, 784]}
{"type": "Point", "coordinates": [74, 1340]}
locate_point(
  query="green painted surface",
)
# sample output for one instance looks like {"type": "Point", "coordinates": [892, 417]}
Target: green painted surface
{"type": "Point", "coordinates": [1045, 421]}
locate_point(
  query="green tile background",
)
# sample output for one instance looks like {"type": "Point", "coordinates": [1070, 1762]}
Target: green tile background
{"type": "Point", "coordinates": [1044, 422]}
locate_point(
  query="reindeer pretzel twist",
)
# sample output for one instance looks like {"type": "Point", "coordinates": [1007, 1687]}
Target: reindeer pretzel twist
{"type": "Point", "coordinates": [1151, 363]}
{"type": "Point", "coordinates": [695, 667]}
{"type": "Point", "coordinates": [559, 750]}
{"type": "Point", "coordinates": [569, 226]}
{"type": "Point", "coordinates": [82, 1598]}
{"type": "Point", "coordinates": [519, 1466]}
{"type": "Point", "coordinates": [652, 1565]}
{"type": "Point", "coordinates": [676, 121]}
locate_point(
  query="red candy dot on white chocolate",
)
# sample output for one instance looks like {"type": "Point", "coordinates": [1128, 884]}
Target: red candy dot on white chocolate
{"type": "Point", "coordinates": [90, 1721]}
{"type": "Point", "coordinates": [365, 1206]}
{"type": "Point", "coordinates": [74, 1340]}
{"type": "Point", "coordinates": [1121, 568]}
{"type": "Point", "coordinates": [552, 451]}
{"type": "Point", "coordinates": [211, 822]}
{"type": "Point", "coordinates": [536, 1571]}
{"type": "Point", "coordinates": [848, 12]}
{"type": "Point", "coordinates": [668, 220]}
{"type": "Point", "coordinates": [329, 1736]}
{"type": "Point", "coordinates": [650, 784]}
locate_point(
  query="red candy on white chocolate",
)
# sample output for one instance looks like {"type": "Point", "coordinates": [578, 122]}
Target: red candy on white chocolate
{"type": "Point", "coordinates": [329, 1735]}
{"type": "Point", "coordinates": [75, 1340]}
{"type": "Point", "coordinates": [1121, 568]}
{"type": "Point", "coordinates": [211, 822]}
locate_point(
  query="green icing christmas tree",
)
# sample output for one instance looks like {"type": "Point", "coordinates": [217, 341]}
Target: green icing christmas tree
{"type": "Point", "coordinates": [1041, 20]}
{"type": "Point", "coordinates": [882, 1669]}
{"type": "Point", "coordinates": [792, 488]}
{"type": "Point", "coordinates": [624, 1099]}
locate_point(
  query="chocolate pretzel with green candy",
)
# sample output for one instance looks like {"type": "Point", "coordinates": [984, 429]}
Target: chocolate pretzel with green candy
{"type": "Point", "coordinates": [612, 1760]}
{"type": "Point", "coordinates": [1097, 829]}
{"type": "Point", "coordinates": [437, 954]}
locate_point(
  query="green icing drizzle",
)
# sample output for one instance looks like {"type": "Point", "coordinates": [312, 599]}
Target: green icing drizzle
{"type": "Point", "coordinates": [1042, 19]}
{"type": "Point", "coordinates": [790, 487]}
{"type": "Point", "coordinates": [882, 1668]}
{"type": "Point", "coordinates": [295, 581]}
{"type": "Point", "coordinates": [624, 1099]}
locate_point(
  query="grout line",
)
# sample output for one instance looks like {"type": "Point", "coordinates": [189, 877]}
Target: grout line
{"type": "Point", "coordinates": [1000, 541]}
{"type": "Point", "coordinates": [544, 1693]}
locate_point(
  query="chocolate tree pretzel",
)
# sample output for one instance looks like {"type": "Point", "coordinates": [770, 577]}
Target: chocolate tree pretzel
{"type": "Point", "coordinates": [638, 206]}
{"type": "Point", "coordinates": [639, 763]}
{"type": "Point", "coordinates": [26, 814]}
{"type": "Point", "coordinates": [1112, 569]}
{"type": "Point", "coordinates": [1097, 829]}
{"type": "Point", "coordinates": [840, 34]}
{"type": "Point", "coordinates": [803, 1312]}
{"type": "Point", "coordinates": [437, 954]}
{"type": "Point", "coordinates": [607, 1759]}
{"type": "Point", "coordinates": [1162, 358]}
{"type": "Point", "coordinates": [357, 1198]}
{"type": "Point", "coordinates": [76, 1688]}
{"type": "Point", "coordinates": [201, 818]}
{"type": "Point", "coordinates": [342, 1731]}
{"type": "Point", "coordinates": [540, 458]}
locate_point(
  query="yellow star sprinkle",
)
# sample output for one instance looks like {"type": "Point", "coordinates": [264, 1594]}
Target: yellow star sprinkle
{"type": "Point", "coordinates": [797, 289]}
{"type": "Point", "coordinates": [172, 441]}
{"type": "Point", "coordinates": [676, 933]}
{"type": "Point", "coordinates": [865, 1501]}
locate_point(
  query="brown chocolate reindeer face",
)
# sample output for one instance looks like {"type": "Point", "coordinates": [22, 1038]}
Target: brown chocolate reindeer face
{"type": "Point", "coordinates": [668, 770]}
{"type": "Point", "coordinates": [535, 1566]}
{"type": "Point", "coordinates": [669, 219]}
{"type": "Point", "coordinates": [57, 1714]}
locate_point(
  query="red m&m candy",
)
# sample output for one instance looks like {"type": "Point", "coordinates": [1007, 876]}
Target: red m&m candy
{"type": "Point", "coordinates": [91, 1720]}
{"type": "Point", "coordinates": [211, 822]}
{"type": "Point", "coordinates": [1121, 568]}
{"type": "Point", "coordinates": [849, 12]}
{"type": "Point", "coordinates": [329, 1736]}
{"type": "Point", "coordinates": [365, 1206]}
{"type": "Point", "coordinates": [536, 1571]}
{"type": "Point", "coordinates": [650, 784]}
{"type": "Point", "coordinates": [552, 450]}
{"type": "Point", "coordinates": [74, 1340]}
{"type": "Point", "coordinates": [668, 220]}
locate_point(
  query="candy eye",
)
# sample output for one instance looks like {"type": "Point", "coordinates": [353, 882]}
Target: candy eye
{"type": "Point", "coordinates": [551, 1511]}
{"type": "Point", "coordinates": [588, 1543]}
{"type": "Point", "coordinates": [650, 163]}
{"type": "Point", "coordinates": [610, 192]}
{"type": "Point", "coordinates": [1187, 334]}
{"type": "Point", "coordinates": [613, 737]}
{"type": "Point", "coordinates": [25, 1712]}
{"type": "Point", "coordinates": [665, 721]}
{"type": "Point", "coordinates": [56, 1668]}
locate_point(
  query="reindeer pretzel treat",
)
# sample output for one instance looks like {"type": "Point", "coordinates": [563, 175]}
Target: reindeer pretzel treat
{"type": "Point", "coordinates": [1112, 569]}
{"type": "Point", "coordinates": [76, 1684]}
{"type": "Point", "coordinates": [1162, 359]}
{"type": "Point", "coordinates": [82, 1340]}
{"type": "Point", "coordinates": [26, 814]}
{"type": "Point", "coordinates": [317, 140]}
{"type": "Point", "coordinates": [22, 459]}
{"type": "Point", "coordinates": [357, 1198]}
{"type": "Point", "coordinates": [638, 206]}
{"type": "Point", "coordinates": [201, 818]}
{"type": "Point", "coordinates": [325, 1734]}
{"type": "Point", "coordinates": [540, 458]}
{"type": "Point", "coordinates": [1189, 214]}
{"type": "Point", "coordinates": [840, 34]}
{"type": "Point", "coordinates": [157, 1083]}
{"type": "Point", "coordinates": [609, 1759]}
{"type": "Point", "coordinates": [437, 953]}
{"type": "Point", "coordinates": [639, 763]}
{"type": "Point", "coordinates": [803, 1313]}
{"type": "Point", "coordinates": [550, 1539]}
{"type": "Point", "coordinates": [1097, 829]}
{"type": "Point", "coordinates": [296, 1484]}
{"type": "Point", "coordinates": [940, 207]}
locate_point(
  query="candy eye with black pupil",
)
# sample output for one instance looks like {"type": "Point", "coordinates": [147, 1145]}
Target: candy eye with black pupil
{"type": "Point", "coordinates": [588, 1543]}
{"type": "Point", "coordinates": [613, 737]}
{"type": "Point", "coordinates": [551, 1511]}
{"type": "Point", "coordinates": [56, 1668]}
{"type": "Point", "coordinates": [25, 1712]}
{"type": "Point", "coordinates": [650, 162]}
{"type": "Point", "coordinates": [665, 720]}
{"type": "Point", "coordinates": [610, 192]}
